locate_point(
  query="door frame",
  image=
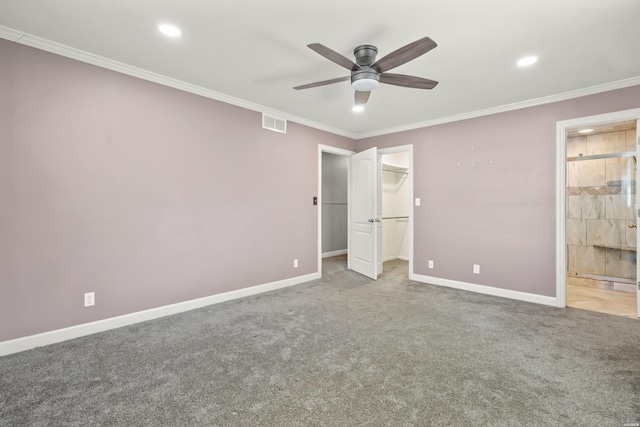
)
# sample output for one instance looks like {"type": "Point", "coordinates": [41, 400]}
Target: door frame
{"type": "Point", "coordinates": [348, 153]}
{"type": "Point", "coordinates": [561, 188]}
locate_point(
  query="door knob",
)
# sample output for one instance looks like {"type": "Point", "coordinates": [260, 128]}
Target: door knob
{"type": "Point", "coordinates": [370, 220]}
{"type": "Point", "coordinates": [632, 225]}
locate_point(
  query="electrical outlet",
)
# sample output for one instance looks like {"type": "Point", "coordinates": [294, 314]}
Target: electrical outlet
{"type": "Point", "coordinates": [417, 201]}
{"type": "Point", "coordinates": [476, 268]}
{"type": "Point", "coordinates": [430, 263]}
{"type": "Point", "coordinates": [89, 299]}
{"type": "Point", "coordinates": [295, 263]}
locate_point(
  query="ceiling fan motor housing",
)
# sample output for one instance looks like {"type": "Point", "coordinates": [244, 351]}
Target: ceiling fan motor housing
{"type": "Point", "coordinates": [365, 55]}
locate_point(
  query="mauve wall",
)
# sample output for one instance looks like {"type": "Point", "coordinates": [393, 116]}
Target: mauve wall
{"type": "Point", "coordinates": [144, 194]}
{"type": "Point", "coordinates": [487, 187]}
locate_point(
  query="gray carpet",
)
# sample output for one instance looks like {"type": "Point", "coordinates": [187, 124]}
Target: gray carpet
{"type": "Point", "coordinates": [340, 351]}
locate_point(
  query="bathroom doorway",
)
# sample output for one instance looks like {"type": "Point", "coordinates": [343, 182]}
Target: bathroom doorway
{"type": "Point", "coordinates": [601, 221]}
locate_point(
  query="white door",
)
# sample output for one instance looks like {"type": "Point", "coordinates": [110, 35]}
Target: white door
{"type": "Point", "coordinates": [364, 219]}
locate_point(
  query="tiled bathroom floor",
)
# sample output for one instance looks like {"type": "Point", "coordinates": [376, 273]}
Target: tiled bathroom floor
{"type": "Point", "coordinates": [602, 301]}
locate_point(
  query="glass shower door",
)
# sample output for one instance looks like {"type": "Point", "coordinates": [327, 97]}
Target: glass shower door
{"type": "Point", "coordinates": [602, 216]}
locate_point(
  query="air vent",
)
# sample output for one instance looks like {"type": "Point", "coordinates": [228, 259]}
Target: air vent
{"type": "Point", "coordinates": [273, 123]}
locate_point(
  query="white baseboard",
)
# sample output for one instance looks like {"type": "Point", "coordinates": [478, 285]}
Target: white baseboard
{"type": "Point", "coordinates": [52, 337]}
{"type": "Point", "coordinates": [334, 253]}
{"type": "Point", "coordinates": [391, 258]}
{"type": "Point", "coordinates": [487, 290]}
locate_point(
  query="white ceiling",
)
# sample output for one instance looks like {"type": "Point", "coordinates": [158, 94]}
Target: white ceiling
{"type": "Point", "coordinates": [601, 128]}
{"type": "Point", "coordinates": [255, 51]}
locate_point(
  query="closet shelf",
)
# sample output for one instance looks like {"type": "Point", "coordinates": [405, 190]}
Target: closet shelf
{"type": "Point", "coordinates": [394, 168]}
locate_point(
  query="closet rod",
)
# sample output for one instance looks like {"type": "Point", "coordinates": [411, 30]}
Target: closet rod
{"type": "Point", "coordinates": [396, 217]}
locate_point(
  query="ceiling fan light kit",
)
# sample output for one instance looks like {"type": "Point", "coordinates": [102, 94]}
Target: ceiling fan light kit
{"type": "Point", "coordinates": [365, 80]}
{"type": "Point", "coordinates": [367, 73]}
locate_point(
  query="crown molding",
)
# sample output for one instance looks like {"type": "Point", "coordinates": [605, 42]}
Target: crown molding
{"type": "Point", "coordinates": [620, 84]}
{"type": "Point", "coordinates": [10, 34]}
{"type": "Point", "coordinates": [89, 58]}
{"type": "Point", "coordinates": [69, 52]}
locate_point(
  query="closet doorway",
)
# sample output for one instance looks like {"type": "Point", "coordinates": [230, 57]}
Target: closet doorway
{"type": "Point", "coordinates": [333, 210]}
{"type": "Point", "coordinates": [396, 193]}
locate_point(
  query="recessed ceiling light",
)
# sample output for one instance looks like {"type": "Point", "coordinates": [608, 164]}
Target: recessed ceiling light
{"type": "Point", "coordinates": [585, 130]}
{"type": "Point", "coordinates": [529, 60]}
{"type": "Point", "coordinates": [358, 108]}
{"type": "Point", "coordinates": [169, 30]}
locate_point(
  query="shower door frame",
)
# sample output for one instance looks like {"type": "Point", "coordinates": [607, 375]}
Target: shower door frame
{"type": "Point", "coordinates": [561, 192]}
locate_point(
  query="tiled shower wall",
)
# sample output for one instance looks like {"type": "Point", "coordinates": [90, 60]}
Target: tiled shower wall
{"type": "Point", "coordinates": [600, 207]}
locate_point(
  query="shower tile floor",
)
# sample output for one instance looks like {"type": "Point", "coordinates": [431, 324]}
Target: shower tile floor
{"type": "Point", "coordinates": [602, 301]}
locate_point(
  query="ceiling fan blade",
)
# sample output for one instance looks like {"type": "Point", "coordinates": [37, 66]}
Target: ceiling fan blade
{"type": "Point", "coordinates": [334, 56]}
{"type": "Point", "coordinates": [322, 83]}
{"type": "Point", "coordinates": [362, 97]}
{"type": "Point", "coordinates": [404, 54]}
{"type": "Point", "coordinates": [407, 81]}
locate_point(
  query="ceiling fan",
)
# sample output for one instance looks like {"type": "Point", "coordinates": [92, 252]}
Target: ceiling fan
{"type": "Point", "coordinates": [367, 73]}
